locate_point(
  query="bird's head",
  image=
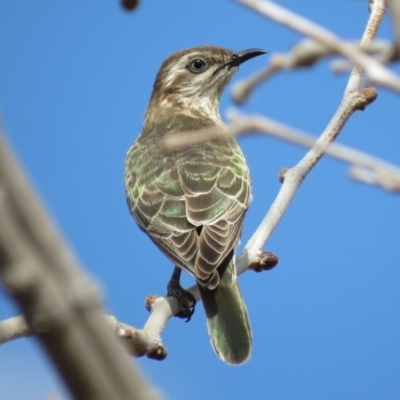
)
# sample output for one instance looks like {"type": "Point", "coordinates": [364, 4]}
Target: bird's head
{"type": "Point", "coordinates": [191, 81]}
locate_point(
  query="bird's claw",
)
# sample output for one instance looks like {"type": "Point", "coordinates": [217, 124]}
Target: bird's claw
{"type": "Point", "coordinates": [185, 299]}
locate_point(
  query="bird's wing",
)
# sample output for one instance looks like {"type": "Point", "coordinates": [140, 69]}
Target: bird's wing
{"type": "Point", "coordinates": [157, 202]}
{"type": "Point", "coordinates": [217, 185]}
{"type": "Point", "coordinates": [191, 204]}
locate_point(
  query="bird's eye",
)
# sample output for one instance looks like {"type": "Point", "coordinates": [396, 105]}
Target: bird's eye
{"type": "Point", "coordinates": [197, 66]}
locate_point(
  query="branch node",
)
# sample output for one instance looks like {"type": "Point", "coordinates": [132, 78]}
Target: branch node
{"type": "Point", "coordinates": [282, 173]}
{"type": "Point", "coordinates": [150, 299]}
{"type": "Point", "coordinates": [158, 352]}
{"type": "Point", "coordinates": [363, 98]}
{"type": "Point", "coordinates": [370, 94]}
{"type": "Point", "coordinates": [265, 262]}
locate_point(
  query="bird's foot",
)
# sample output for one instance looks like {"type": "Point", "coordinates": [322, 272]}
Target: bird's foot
{"type": "Point", "coordinates": [185, 298]}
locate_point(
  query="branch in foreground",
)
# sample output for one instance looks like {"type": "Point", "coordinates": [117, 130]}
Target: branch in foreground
{"type": "Point", "coordinates": [376, 72]}
{"type": "Point", "coordinates": [61, 304]}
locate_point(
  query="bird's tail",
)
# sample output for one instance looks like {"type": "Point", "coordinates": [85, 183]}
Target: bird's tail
{"type": "Point", "coordinates": [227, 319]}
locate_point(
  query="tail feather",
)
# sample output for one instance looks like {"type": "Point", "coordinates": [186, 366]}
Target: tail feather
{"type": "Point", "coordinates": [227, 318]}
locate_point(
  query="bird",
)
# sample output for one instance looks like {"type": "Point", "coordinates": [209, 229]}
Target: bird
{"type": "Point", "coordinates": [191, 202]}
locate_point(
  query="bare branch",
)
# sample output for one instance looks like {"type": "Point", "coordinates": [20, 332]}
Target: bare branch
{"type": "Point", "coordinates": [13, 328]}
{"type": "Point", "coordinates": [137, 342]}
{"type": "Point", "coordinates": [376, 72]}
{"type": "Point", "coordinates": [383, 51]}
{"type": "Point", "coordinates": [364, 167]}
{"type": "Point", "coordinates": [305, 54]}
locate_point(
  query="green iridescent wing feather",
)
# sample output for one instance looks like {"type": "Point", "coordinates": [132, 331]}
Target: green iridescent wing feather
{"type": "Point", "coordinates": [172, 196]}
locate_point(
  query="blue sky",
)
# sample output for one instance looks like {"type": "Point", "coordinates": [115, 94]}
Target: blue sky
{"type": "Point", "coordinates": [74, 84]}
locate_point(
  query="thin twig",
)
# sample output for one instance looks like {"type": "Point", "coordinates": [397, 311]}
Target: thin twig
{"type": "Point", "coordinates": [364, 167]}
{"type": "Point", "coordinates": [14, 328]}
{"type": "Point", "coordinates": [377, 11]}
{"type": "Point", "coordinates": [351, 102]}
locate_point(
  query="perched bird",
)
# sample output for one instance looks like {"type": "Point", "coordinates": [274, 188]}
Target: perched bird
{"type": "Point", "coordinates": [192, 201]}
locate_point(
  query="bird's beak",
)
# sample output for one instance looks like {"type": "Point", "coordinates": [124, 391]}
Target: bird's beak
{"type": "Point", "coordinates": [244, 55]}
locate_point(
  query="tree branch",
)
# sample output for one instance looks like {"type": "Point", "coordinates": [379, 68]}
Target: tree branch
{"type": "Point", "coordinates": [306, 54]}
{"type": "Point", "coordinates": [376, 72]}
{"type": "Point", "coordinates": [61, 304]}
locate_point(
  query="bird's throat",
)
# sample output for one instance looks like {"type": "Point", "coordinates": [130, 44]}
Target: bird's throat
{"type": "Point", "coordinates": [182, 116]}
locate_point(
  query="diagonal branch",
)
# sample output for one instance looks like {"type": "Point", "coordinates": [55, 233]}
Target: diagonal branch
{"type": "Point", "coordinates": [61, 304]}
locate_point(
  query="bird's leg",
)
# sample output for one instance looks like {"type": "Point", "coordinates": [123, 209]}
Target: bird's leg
{"type": "Point", "coordinates": [185, 298]}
